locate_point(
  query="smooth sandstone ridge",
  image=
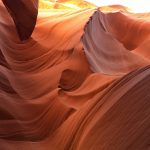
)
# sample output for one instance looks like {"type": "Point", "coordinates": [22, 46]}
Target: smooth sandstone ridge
{"type": "Point", "coordinates": [73, 79]}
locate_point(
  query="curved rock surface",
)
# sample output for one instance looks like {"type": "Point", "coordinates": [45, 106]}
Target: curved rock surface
{"type": "Point", "coordinates": [80, 81]}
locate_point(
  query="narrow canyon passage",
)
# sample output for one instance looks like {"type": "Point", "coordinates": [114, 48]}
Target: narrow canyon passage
{"type": "Point", "coordinates": [73, 76]}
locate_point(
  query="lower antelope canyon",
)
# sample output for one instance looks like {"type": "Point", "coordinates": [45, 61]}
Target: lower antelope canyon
{"type": "Point", "coordinates": [74, 75]}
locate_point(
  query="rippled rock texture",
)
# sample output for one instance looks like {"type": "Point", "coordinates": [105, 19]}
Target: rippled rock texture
{"type": "Point", "coordinates": [73, 79]}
